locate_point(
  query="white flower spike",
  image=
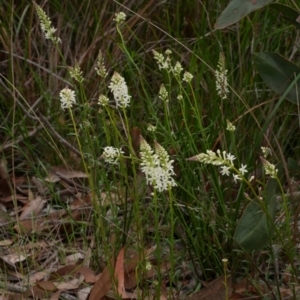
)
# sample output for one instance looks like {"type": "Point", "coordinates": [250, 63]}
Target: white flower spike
{"type": "Point", "coordinates": [46, 27]}
{"type": "Point", "coordinates": [67, 98]}
{"type": "Point", "coordinates": [119, 89]}
{"type": "Point", "coordinates": [111, 155]}
{"type": "Point", "coordinates": [157, 166]}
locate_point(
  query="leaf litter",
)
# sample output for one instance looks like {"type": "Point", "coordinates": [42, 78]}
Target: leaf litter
{"type": "Point", "coordinates": [44, 267]}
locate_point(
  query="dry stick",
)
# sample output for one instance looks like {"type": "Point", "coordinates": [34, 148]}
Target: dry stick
{"type": "Point", "coordinates": [19, 139]}
{"type": "Point", "coordinates": [76, 186]}
{"type": "Point", "coordinates": [57, 135]}
{"type": "Point", "coordinates": [12, 288]}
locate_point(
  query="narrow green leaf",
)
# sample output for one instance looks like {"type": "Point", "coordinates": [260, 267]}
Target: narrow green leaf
{"type": "Point", "coordinates": [238, 9]}
{"type": "Point", "coordinates": [288, 13]}
{"type": "Point", "coordinates": [279, 74]}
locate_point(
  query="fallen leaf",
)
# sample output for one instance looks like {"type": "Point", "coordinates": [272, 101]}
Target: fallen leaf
{"type": "Point", "coordinates": [38, 276]}
{"type": "Point", "coordinates": [56, 295]}
{"type": "Point", "coordinates": [54, 174]}
{"type": "Point", "coordinates": [47, 286]}
{"type": "Point", "coordinates": [102, 285]}
{"type": "Point", "coordinates": [135, 138]}
{"type": "Point", "coordinates": [6, 243]}
{"type": "Point", "coordinates": [88, 274]}
{"type": "Point", "coordinates": [120, 275]}
{"type": "Point", "coordinates": [14, 258]}
{"type": "Point", "coordinates": [214, 291]}
{"type": "Point", "coordinates": [32, 208]}
{"type": "Point", "coordinates": [74, 258]}
{"type": "Point", "coordinates": [84, 293]}
{"type": "Point", "coordinates": [69, 285]}
{"type": "Point", "coordinates": [119, 272]}
{"type": "Point", "coordinates": [37, 293]}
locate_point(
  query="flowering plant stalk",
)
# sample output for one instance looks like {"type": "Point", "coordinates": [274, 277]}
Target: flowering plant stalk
{"type": "Point", "coordinates": [157, 166]}
{"type": "Point", "coordinates": [46, 25]}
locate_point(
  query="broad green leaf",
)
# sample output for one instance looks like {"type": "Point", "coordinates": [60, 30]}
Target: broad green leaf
{"type": "Point", "coordinates": [238, 9]}
{"type": "Point", "coordinates": [279, 74]}
{"type": "Point", "coordinates": [254, 229]}
{"type": "Point", "coordinates": [288, 13]}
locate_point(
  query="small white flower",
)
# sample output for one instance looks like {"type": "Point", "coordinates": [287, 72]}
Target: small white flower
{"type": "Point", "coordinates": [103, 100]}
{"type": "Point", "coordinates": [46, 27]}
{"type": "Point", "coordinates": [187, 77]}
{"type": "Point", "coordinates": [266, 151]}
{"type": "Point", "coordinates": [100, 67]}
{"type": "Point", "coordinates": [230, 126]}
{"type": "Point", "coordinates": [270, 169]}
{"type": "Point", "coordinates": [157, 166]}
{"type": "Point", "coordinates": [163, 93]}
{"type": "Point", "coordinates": [180, 97]}
{"type": "Point", "coordinates": [251, 178]}
{"type": "Point", "coordinates": [151, 128]}
{"type": "Point", "coordinates": [111, 155]}
{"type": "Point", "coordinates": [217, 158]}
{"type": "Point", "coordinates": [243, 169]}
{"type": "Point", "coordinates": [76, 73]}
{"type": "Point", "coordinates": [148, 265]}
{"type": "Point", "coordinates": [67, 98]}
{"type": "Point", "coordinates": [119, 89]}
{"type": "Point", "coordinates": [163, 63]}
{"type": "Point", "coordinates": [230, 158]}
{"type": "Point", "coordinates": [236, 178]}
{"type": "Point", "coordinates": [120, 18]}
{"type": "Point", "coordinates": [225, 170]}
{"type": "Point", "coordinates": [177, 68]}
{"type": "Point", "coordinates": [221, 78]}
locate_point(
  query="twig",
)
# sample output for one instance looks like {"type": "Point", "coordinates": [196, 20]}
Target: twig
{"type": "Point", "coordinates": [20, 138]}
{"type": "Point", "coordinates": [12, 288]}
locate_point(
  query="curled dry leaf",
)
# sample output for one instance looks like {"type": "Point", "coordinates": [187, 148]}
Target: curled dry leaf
{"type": "Point", "coordinates": [215, 290]}
{"type": "Point", "coordinates": [84, 293]}
{"type": "Point", "coordinates": [54, 174]}
{"type": "Point", "coordinates": [32, 208]}
{"type": "Point", "coordinates": [88, 274]}
{"type": "Point", "coordinates": [69, 285]}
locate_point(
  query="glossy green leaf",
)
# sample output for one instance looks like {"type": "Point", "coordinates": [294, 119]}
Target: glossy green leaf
{"type": "Point", "coordinates": [279, 74]}
{"type": "Point", "coordinates": [238, 9]}
{"type": "Point", "coordinates": [288, 13]}
{"type": "Point", "coordinates": [254, 229]}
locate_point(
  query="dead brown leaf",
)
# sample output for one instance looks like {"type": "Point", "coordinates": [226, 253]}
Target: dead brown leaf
{"type": "Point", "coordinates": [102, 285]}
{"type": "Point", "coordinates": [32, 208]}
{"type": "Point", "coordinates": [215, 290]}
{"type": "Point", "coordinates": [135, 133]}
{"type": "Point", "coordinates": [47, 286]}
{"type": "Point", "coordinates": [54, 174]}
{"type": "Point", "coordinates": [119, 272]}
{"type": "Point", "coordinates": [56, 295]}
{"type": "Point", "coordinates": [120, 276]}
{"type": "Point", "coordinates": [72, 284]}
{"type": "Point", "coordinates": [88, 274]}
{"type": "Point", "coordinates": [14, 258]}
{"type": "Point", "coordinates": [37, 293]}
